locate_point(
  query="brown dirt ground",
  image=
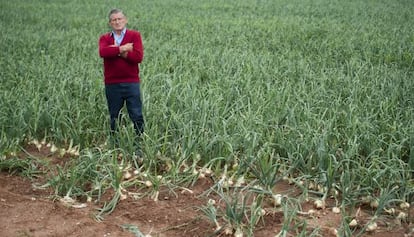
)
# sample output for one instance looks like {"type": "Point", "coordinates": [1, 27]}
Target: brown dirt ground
{"type": "Point", "coordinates": [30, 212]}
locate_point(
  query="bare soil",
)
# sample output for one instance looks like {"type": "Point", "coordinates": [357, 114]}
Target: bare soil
{"type": "Point", "coordinates": [29, 211]}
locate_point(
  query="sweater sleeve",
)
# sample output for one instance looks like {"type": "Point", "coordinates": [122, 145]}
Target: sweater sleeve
{"type": "Point", "coordinates": [137, 55]}
{"type": "Point", "coordinates": [106, 47]}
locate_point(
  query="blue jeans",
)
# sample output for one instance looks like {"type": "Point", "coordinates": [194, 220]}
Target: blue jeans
{"type": "Point", "coordinates": [119, 94]}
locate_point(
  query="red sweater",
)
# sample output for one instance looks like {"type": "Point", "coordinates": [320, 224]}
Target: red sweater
{"type": "Point", "coordinates": [116, 68]}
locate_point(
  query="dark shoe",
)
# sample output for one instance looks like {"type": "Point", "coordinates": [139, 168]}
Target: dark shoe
{"type": "Point", "coordinates": [138, 156]}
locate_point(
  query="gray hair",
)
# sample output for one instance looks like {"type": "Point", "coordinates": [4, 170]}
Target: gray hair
{"type": "Point", "coordinates": [115, 11]}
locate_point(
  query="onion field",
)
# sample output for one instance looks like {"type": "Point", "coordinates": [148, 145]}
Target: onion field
{"type": "Point", "coordinates": [252, 93]}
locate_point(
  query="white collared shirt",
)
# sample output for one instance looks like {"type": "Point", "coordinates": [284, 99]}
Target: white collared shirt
{"type": "Point", "coordinates": [118, 38]}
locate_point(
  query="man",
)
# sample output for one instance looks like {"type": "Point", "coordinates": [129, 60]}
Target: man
{"type": "Point", "coordinates": [122, 51]}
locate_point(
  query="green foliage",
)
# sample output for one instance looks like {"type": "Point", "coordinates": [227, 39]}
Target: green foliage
{"type": "Point", "coordinates": [28, 167]}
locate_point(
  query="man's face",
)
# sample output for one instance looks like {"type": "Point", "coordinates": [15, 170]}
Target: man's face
{"type": "Point", "coordinates": [118, 21]}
